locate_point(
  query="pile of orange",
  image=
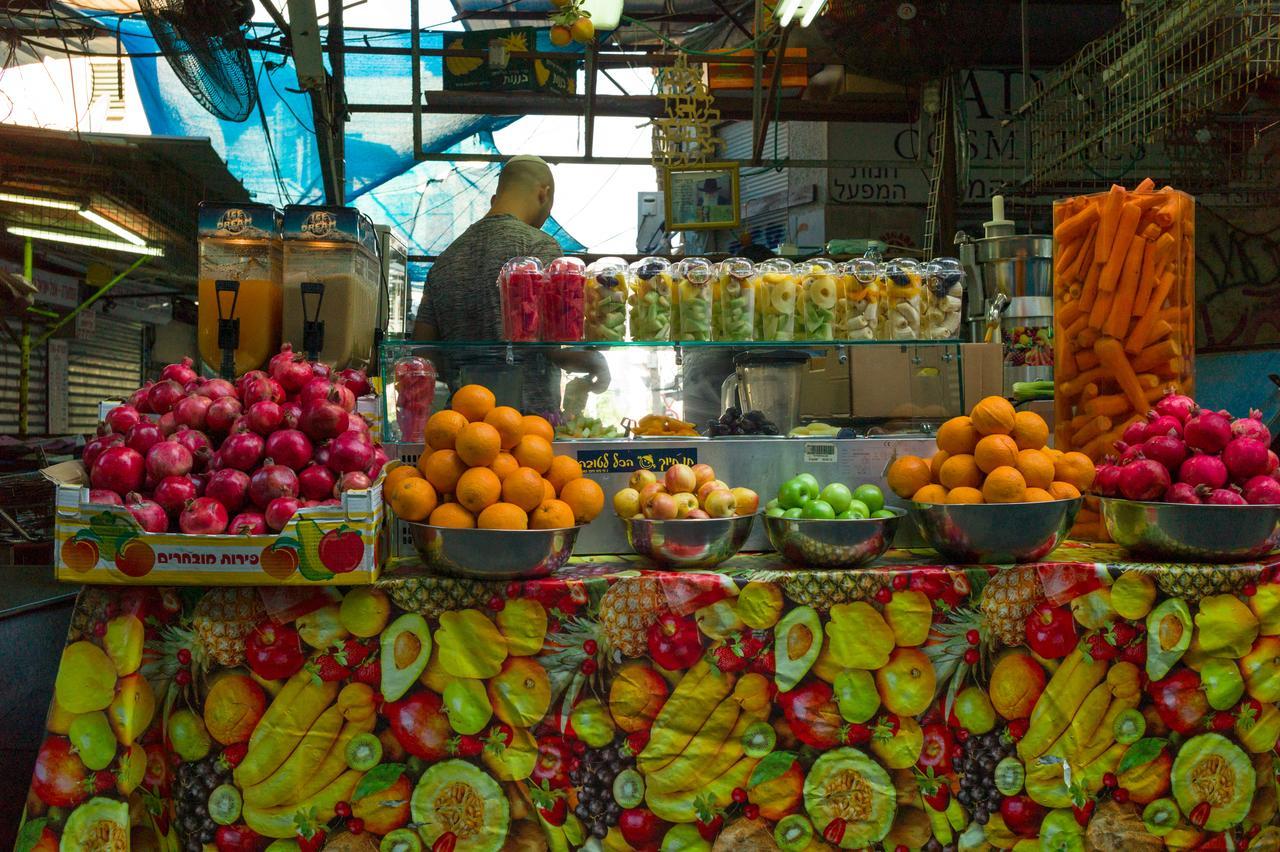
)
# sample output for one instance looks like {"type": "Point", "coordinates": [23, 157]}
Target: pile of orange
{"type": "Point", "coordinates": [489, 466]}
{"type": "Point", "coordinates": [993, 455]}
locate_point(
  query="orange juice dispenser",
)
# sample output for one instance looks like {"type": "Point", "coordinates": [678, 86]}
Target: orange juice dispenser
{"type": "Point", "coordinates": [239, 286]}
{"type": "Point", "coordinates": [332, 284]}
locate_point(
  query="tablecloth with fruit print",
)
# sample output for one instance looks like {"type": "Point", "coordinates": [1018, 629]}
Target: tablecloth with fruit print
{"type": "Point", "coordinates": [1079, 703]}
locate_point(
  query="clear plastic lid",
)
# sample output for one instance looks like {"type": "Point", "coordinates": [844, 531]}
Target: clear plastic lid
{"type": "Point", "coordinates": [902, 271]}
{"type": "Point", "coordinates": [562, 266]}
{"type": "Point", "coordinates": [695, 270]}
{"type": "Point", "coordinates": [775, 264]}
{"type": "Point", "coordinates": [942, 274]}
{"type": "Point", "coordinates": [608, 271]}
{"type": "Point", "coordinates": [737, 267]}
{"type": "Point", "coordinates": [817, 266]}
{"type": "Point", "coordinates": [865, 269]}
{"type": "Point", "coordinates": [521, 265]}
{"type": "Point", "coordinates": [650, 267]}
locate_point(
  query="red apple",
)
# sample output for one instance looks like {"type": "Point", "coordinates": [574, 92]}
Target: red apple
{"type": "Point", "coordinates": [747, 500]}
{"type": "Point", "coordinates": [662, 507]}
{"type": "Point", "coordinates": [707, 487]}
{"type": "Point", "coordinates": [703, 473]}
{"type": "Point", "coordinates": [419, 724]}
{"type": "Point", "coordinates": [720, 503]}
{"type": "Point", "coordinates": [641, 478]}
{"type": "Point", "coordinates": [651, 489]}
{"type": "Point", "coordinates": [59, 777]}
{"type": "Point", "coordinates": [697, 515]}
{"type": "Point", "coordinates": [685, 503]}
{"type": "Point", "coordinates": [640, 827]}
{"type": "Point", "coordinates": [680, 477]}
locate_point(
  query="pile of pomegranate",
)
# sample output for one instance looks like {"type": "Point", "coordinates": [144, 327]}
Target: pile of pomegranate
{"type": "Point", "coordinates": [1182, 453]}
{"type": "Point", "coordinates": [208, 456]}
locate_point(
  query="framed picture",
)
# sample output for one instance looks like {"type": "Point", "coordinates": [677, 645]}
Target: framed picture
{"type": "Point", "coordinates": [702, 196]}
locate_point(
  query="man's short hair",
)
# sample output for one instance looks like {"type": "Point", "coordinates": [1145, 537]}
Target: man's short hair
{"type": "Point", "coordinates": [525, 172]}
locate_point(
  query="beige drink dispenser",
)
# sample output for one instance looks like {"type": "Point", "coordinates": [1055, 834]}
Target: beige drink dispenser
{"type": "Point", "coordinates": [239, 286]}
{"type": "Point", "coordinates": [332, 284]}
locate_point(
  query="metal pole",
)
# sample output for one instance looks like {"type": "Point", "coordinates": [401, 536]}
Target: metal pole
{"type": "Point", "coordinates": [338, 97]}
{"type": "Point", "coordinates": [415, 53]}
{"type": "Point", "coordinates": [24, 365]}
{"type": "Point", "coordinates": [757, 72]}
{"type": "Point", "coordinates": [102, 291]}
{"type": "Point", "coordinates": [589, 107]}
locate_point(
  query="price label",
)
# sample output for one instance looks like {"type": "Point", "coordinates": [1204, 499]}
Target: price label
{"type": "Point", "coordinates": [823, 453]}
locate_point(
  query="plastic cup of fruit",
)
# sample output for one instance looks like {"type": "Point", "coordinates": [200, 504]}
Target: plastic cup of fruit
{"type": "Point", "coordinates": [778, 298]}
{"type": "Point", "coordinates": [736, 296]}
{"type": "Point", "coordinates": [858, 306]}
{"type": "Point", "coordinates": [694, 296]}
{"type": "Point", "coordinates": [943, 298]}
{"type": "Point", "coordinates": [652, 299]}
{"type": "Point", "coordinates": [604, 305]}
{"type": "Point", "coordinates": [820, 292]}
{"type": "Point", "coordinates": [521, 282]}
{"type": "Point", "coordinates": [904, 303]}
{"type": "Point", "coordinates": [415, 380]}
{"type": "Point", "coordinates": [563, 294]}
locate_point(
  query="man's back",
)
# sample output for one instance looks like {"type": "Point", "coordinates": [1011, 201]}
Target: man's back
{"type": "Point", "coordinates": [461, 299]}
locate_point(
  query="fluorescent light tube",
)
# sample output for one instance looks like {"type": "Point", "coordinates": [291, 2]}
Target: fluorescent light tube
{"type": "Point", "coordinates": [106, 224]}
{"type": "Point", "coordinates": [37, 201]}
{"type": "Point", "coordinates": [90, 242]}
{"type": "Point", "coordinates": [788, 11]}
{"type": "Point", "coordinates": [812, 12]}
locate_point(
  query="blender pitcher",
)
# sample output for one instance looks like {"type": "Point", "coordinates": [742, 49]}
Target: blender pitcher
{"type": "Point", "coordinates": [768, 382]}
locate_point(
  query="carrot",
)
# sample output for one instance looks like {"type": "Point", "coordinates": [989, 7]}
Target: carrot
{"type": "Point", "coordinates": [1076, 226]}
{"type": "Point", "coordinates": [1079, 421]}
{"type": "Point", "coordinates": [1066, 258]}
{"type": "Point", "coordinates": [1147, 200]}
{"type": "Point", "coordinates": [1077, 325]}
{"type": "Point", "coordinates": [1111, 353]}
{"type": "Point", "coordinates": [1086, 360]}
{"type": "Point", "coordinates": [1160, 330]}
{"type": "Point", "coordinates": [1110, 220]}
{"type": "Point", "coordinates": [1101, 309]}
{"type": "Point", "coordinates": [1090, 291]}
{"type": "Point", "coordinates": [1086, 338]}
{"type": "Point", "coordinates": [1117, 324]}
{"type": "Point", "coordinates": [1146, 279]}
{"type": "Point", "coordinates": [1147, 185]}
{"type": "Point", "coordinates": [1138, 339]}
{"type": "Point", "coordinates": [1095, 427]}
{"type": "Point", "coordinates": [1110, 405]}
{"type": "Point", "coordinates": [1069, 313]}
{"type": "Point", "coordinates": [1149, 359]}
{"type": "Point", "coordinates": [1090, 392]}
{"type": "Point", "coordinates": [1075, 386]}
{"type": "Point", "coordinates": [1084, 258]}
{"type": "Point", "coordinates": [1125, 231]}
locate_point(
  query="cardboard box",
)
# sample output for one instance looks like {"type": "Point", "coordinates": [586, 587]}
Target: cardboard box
{"type": "Point", "coordinates": [904, 382]}
{"type": "Point", "coordinates": [825, 392]}
{"type": "Point", "coordinates": [983, 365]}
{"type": "Point", "coordinates": [474, 74]}
{"type": "Point", "coordinates": [321, 546]}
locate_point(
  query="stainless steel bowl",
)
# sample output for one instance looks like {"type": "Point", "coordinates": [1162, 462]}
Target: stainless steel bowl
{"type": "Point", "coordinates": [684, 545]}
{"type": "Point", "coordinates": [1178, 532]}
{"type": "Point", "coordinates": [995, 533]}
{"type": "Point", "coordinates": [493, 554]}
{"type": "Point", "coordinates": [832, 545]}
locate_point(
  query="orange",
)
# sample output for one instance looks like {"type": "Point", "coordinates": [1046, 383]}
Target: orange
{"type": "Point", "coordinates": [472, 402]}
{"type": "Point", "coordinates": [1029, 430]}
{"type": "Point", "coordinates": [477, 488]}
{"type": "Point", "coordinates": [563, 469]}
{"type": "Point", "coordinates": [960, 472]}
{"type": "Point", "coordinates": [551, 515]}
{"type": "Point", "coordinates": [964, 494]}
{"type": "Point", "coordinates": [395, 476]}
{"type": "Point", "coordinates": [1053, 454]}
{"type": "Point", "coordinates": [532, 424]}
{"type": "Point", "coordinates": [907, 475]}
{"type": "Point", "coordinates": [584, 497]}
{"type": "Point", "coordinates": [478, 444]}
{"type": "Point", "coordinates": [1004, 485]}
{"type": "Point", "coordinates": [504, 465]}
{"type": "Point", "coordinates": [535, 452]}
{"type": "Point", "coordinates": [1075, 468]}
{"type": "Point", "coordinates": [1036, 468]}
{"type": "Point", "coordinates": [935, 463]}
{"type": "Point", "coordinates": [503, 516]}
{"type": "Point", "coordinates": [995, 451]}
{"type": "Point", "coordinates": [413, 499]}
{"type": "Point", "coordinates": [524, 488]}
{"type": "Point", "coordinates": [548, 491]}
{"type": "Point", "coordinates": [506, 420]}
{"type": "Point", "coordinates": [442, 429]}
{"type": "Point", "coordinates": [1037, 495]}
{"type": "Point", "coordinates": [930, 493]}
{"type": "Point", "coordinates": [1063, 491]}
{"type": "Point", "coordinates": [993, 415]}
{"type": "Point", "coordinates": [452, 515]}
{"type": "Point", "coordinates": [957, 436]}
{"type": "Point", "coordinates": [442, 469]}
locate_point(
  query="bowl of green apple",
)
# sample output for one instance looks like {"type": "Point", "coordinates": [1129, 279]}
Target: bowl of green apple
{"type": "Point", "coordinates": [832, 527]}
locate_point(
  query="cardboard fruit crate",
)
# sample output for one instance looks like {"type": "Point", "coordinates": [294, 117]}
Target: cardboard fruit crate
{"type": "Point", "coordinates": [321, 546]}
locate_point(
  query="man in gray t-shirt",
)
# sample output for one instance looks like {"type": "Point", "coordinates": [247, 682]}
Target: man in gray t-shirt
{"type": "Point", "coordinates": [461, 299]}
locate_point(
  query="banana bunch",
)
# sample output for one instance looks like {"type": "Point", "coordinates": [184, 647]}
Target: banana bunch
{"type": "Point", "coordinates": [1062, 698]}
{"type": "Point", "coordinates": [297, 755]}
{"type": "Point", "coordinates": [695, 746]}
{"type": "Point", "coordinates": [659, 425]}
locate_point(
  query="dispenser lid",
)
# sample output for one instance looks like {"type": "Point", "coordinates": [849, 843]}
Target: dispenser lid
{"type": "Point", "coordinates": [315, 223]}
{"type": "Point", "coordinates": [238, 221]}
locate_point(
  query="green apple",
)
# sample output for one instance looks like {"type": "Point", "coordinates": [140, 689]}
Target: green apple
{"type": "Point", "coordinates": [871, 495]}
{"type": "Point", "coordinates": [810, 484]}
{"type": "Point", "coordinates": [837, 495]}
{"type": "Point", "coordinates": [772, 504]}
{"type": "Point", "coordinates": [856, 695]}
{"type": "Point", "coordinates": [792, 514]}
{"type": "Point", "coordinates": [882, 513]}
{"type": "Point", "coordinates": [793, 494]}
{"type": "Point", "coordinates": [817, 510]}
{"type": "Point", "coordinates": [776, 511]}
{"type": "Point", "coordinates": [974, 711]}
{"type": "Point", "coordinates": [853, 513]}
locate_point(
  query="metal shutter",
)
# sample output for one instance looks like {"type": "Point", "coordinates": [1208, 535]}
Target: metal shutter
{"type": "Point", "coordinates": [768, 227]}
{"type": "Point", "coordinates": [10, 364]}
{"type": "Point", "coordinates": [107, 364]}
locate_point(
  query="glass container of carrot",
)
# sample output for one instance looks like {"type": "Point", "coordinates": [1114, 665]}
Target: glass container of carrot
{"type": "Point", "coordinates": [1124, 334]}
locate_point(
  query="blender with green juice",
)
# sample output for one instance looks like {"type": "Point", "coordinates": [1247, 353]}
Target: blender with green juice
{"type": "Point", "coordinates": [904, 299]}
{"type": "Point", "coordinates": [778, 299]}
{"type": "Point", "coordinates": [735, 298]}
{"type": "Point", "coordinates": [695, 278]}
{"type": "Point", "coordinates": [819, 295]}
{"type": "Point", "coordinates": [652, 300]}
{"type": "Point", "coordinates": [605, 301]}
{"type": "Point", "coordinates": [858, 308]}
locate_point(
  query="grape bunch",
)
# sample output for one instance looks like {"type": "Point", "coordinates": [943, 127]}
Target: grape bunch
{"type": "Point", "coordinates": [977, 768]}
{"type": "Point", "coordinates": [594, 779]}
{"type": "Point", "coordinates": [735, 422]}
{"type": "Point", "coordinates": [195, 782]}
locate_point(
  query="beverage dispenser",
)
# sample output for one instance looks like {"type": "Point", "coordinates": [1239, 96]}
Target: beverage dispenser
{"type": "Point", "coordinates": [239, 286]}
{"type": "Point", "coordinates": [332, 284]}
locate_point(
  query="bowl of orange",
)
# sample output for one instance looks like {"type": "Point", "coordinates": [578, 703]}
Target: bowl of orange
{"type": "Point", "coordinates": [491, 554]}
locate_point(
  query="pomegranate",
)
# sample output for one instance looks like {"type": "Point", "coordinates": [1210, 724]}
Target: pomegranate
{"type": "Point", "coordinates": [292, 411]}
{"type": "Point", "coordinates": [138, 399]}
{"type": "Point", "coordinates": [203, 516]}
{"type": "Point", "coordinates": [118, 469]}
{"type": "Point", "coordinates": [285, 356]}
{"type": "Point", "coordinates": [272, 481]}
{"type": "Point", "coordinates": [174, 492]}
{"type": "Point", "coordinates": [350, 451]}
{"type": "Point", "coordinates": [323, 389]}
{"type": "Point", "coordinates": [354, 481]}
{"type": "Point", "coordinates": [357, 423]}
{"type": "Point", "coordinates": [230, 487]}
{"type": "Point", "coordinates": [1262, 491]}
{"type": "Point", "coordinates": [1128, 453]}
{"type": "Point", "coordinates": [279, 511]}
{"type": "Point", "coordinates": [293, 375]}
{"type": "Point", "coordinates": [1163, 424]}
{"type": "Point", "coordinates": [264, 417]}
{"type": "Point", "coordinates": [1246, 458]}
{"type": "Point", "coordinates": [290, 448]}
{"type": "Point", "coordinates": [250, 376]}
{"type": "Point", "coordinates": [1176, 405]}
{"type": "Point", "coordinates": [1181, 492]}
{"type": "Point", "coordinates": [193, 412]}
{"type": "Point", "coordinates": [122, 418]}
{"type": "Point", "coordinates": [316, 482]}
{"type": "Point", "coordinates": [1166, 449]}
{"type": "Point", "coordinates": [168, 458]}
{"type": "Point", "coordinates": [1251, 427]}
{"type": "Point", "coordinates": [95, 447]}
{"type": "Point", "coordinates": [1200, 469]}
{"type": "Point", "coordinates": [216, 389]}
{"type": "Point", "coordinates": [201, 481]}
{"type": "Point", "coordinates": [248, 523]}
{"type": "Point", "coordinates": [164, 395]}
{"type": "Point", "coordinates": [149, 514]}
{"type": "Point", "coordinates": [322, 420]}
{"type": "Point", "coordinates": [356, 381]}
{"type": "Point", "coordinates": [192, 386]}
{"type": "Point", "coordinates": [321, 370]}
{"type": "Point", "coordinates": [1225, 497]}
{"type": "Point", "coordinates": [1135, 433]}
{"type": "Point", "coordinates": [242, 451]}
{"type": "Point", "coordinates": [260, 389]}
{"type": "Point", "coordinates": [379, 459]}
{"type": "Point", "coordinates": [1208, 431]}
{"type": "Point", "coordinates": [321, 454]}
{"type": "Point", "coordinates": [222, 413]}
{"type": "Point", "coordinates": [197, 443]}
{"type": "Point", "coordinates": [181, 372]}
{"type": "Point", "coordinates": [103, 497]}
{"type": "Point", "coordinates": [168, 424]}
{"type": "Point", "coordinates": [1143, 479]}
